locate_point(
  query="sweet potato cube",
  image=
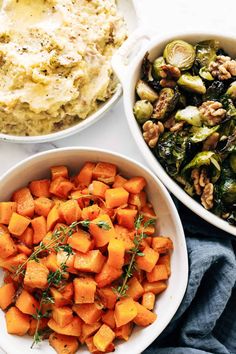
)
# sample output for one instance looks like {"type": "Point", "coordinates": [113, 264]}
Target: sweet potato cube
{"type": "Point", "coordinates": [107, 275]}
{"type": "Point", "coordinates": [119, 181]}
{"type": "Point", "coordinates": [144, 316]}
{"type": "Point", "coordinates": [108, 297]}
{"type": "Point", "coordinates": [27, 237]}
{"type": "Point", "coordinates": [61, 187]}
{"type": "Point", "coordinates": [17, 322]}
{"type": "Point", "coordinates": [91, 212]}
{"type": "Point", "coordinates": [162, 244]}
{"type": "Point", "coordinates": [148, 300]}
{"type": "Point", "coordinates": [53, 217]}
{"type": "Point", "coordinates": [98, 189]}
{"type": "Point", "coordinates": [25, 202]}
{"type": "Point", "coordinates": [165, 259]}
{"type": "Point", "coordinates": [70, 211]}
{"type": "Point", "coordinates": [62, 315]}
{"type": "Point", "coordinates": [91, 261]}
{"type": "Point", "coordinates": [58, 297]}
{"type": "Point", "coordinates": [68, 291]}
{"type": "Point", "coordinates": [124, 332]}
{"type": "Point", "coordinates": [125, 311]}
{"type": "Point", "coordinates": [33, 325]}
{"type": "Point", "coordinates": [85, 289]}
{"type": "Point", "coordinates": [51, 262]}
{"type": "Point", "coordinates": [86, 173]}
{"type": "Point", "coordinates": [18, 224]}
{"type": "Point", "coordinates": [149, 259]}
{"type": "Point", "coordinates": [59, 171]}
{"type": "Point", "coordinates": [7, 293]}
{"type": "Point", "coordinates": [139, 200]}
{"type": "Point", "coordinates": [109, 319]}
{"type": "Point", "coordinates": [3, 229]}
{"type": "Point", "coordinates": [72, 329]}
{"type": "Point", "coordinates": [104, 172]}
{"type": "Point", "coordinates": [155, 287]}
{"type": "Point", "coordinates": [159, 272]}
{"type": "Point", "coordinates": [88, 330]}
{"type": "Point", "coordinates": [123, 234]}
{"type": "Point", "coordinates": [6, 211]}
{"type": "Point", "coordinates": [43, 205]}
{"type": "Point", "coordinates": [39, 225]}
{"type": "Point", "coordinates": [80, 241]}
{"type": "Point", "coordinates": [89, 313]}
{"type": "Point", "coordinates": [21, 248]}
{"type": "Point", "coordinates": [135, 289]}
{"type": "Point", "coordinates": [7, 246]}
{"type": "Point", "coordinates": [36, 275]}
{"type": "Point", "coordinates": [26, 303]}
{"type": "Point", "coordinates": [135, 185]}
{"type": "Point", "coordinates": [115, 197]}
{"type": "Point", "coordinates": [12, 262]}
{"type": "Point", "coordinates": [63, 344]}
{"type": "Point", "coordinates": [116, 253]}
{"type": "Point", "coordinates": [103, 338]}
{"type": "Point", "coordinates": [101, 235]}
{"type": "Point", "coordinates": [126, 217]}
{"type": "Point", "coordinates": [40, 188]}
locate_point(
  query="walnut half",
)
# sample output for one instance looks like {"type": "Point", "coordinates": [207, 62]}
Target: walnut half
{"type": "Point", "coordinates": [223, 67]}
{"type": "Point", "coordinates": [212, 112]}
{"type": "Point", "coordinates": [151, 132]}
{"type": "Point", "coordinates": [207, 196]}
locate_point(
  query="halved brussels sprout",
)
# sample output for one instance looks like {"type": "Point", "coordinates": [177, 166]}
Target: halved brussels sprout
{"type": "Point", "coordinates": [206, 52]}
{"type": "Point", "coordinates": [166, 103]}
{"type": "Point", "coordinates": [231, 92]}
{"type": "Point", "coordinates": [189, 114]}
{"type": "Point", "coordinates": [228, 191]}
{"type": "Point", "coordinates": [145, 92]}
{"type": "Point", "coordinates": [201, 133]}
{"type": "Point", "coordinates": [156, 67]}
{"type": "Point", "coordinates": [205, 158]}
{"type": "Point", "coordinates": [232, 161]}
{"type": "Point", "coordinates": [205, 74]}
{"type": "Point", "coordinates": [180, 54]}
{"type": "Point", "coordinates": [142, 111]}
{"type": "Point", "coordinates": [192, 83]}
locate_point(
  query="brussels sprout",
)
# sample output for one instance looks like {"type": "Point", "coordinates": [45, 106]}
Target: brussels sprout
{"type": "Point", "coordinates": [146, 68]}
{"type": "Point", "coordinates": [180, 54]}
{"type": "Point", "coordinates": [205, 158]}
{"type": "Point", "coordinates": [201, 133]}
{"type": "Point", "coordinates": [156, 67]}
{"type": "Point", "coordinates": [205, 74]}
{"type": "Point", "coordinates": [214, 91]}
{"type": "Point", "coordinates": [232, 161]}
{"type": "Point", "coordinates": [166, 103]}
{"type": "Point", "coordinates": [142, 110]}
{"type": "Point", "coordinates": [228, 191]}
{"type": "Point", "coordinates": [190, 114]}
{"type": "Point", "coordinates": [192, 83]}
{"type": "Point", "coordinates": [206, 52]}
{"type": "Point", "coordinates": [145, 92]}
{"type": "Point", "coordinates": [231, 92]}
{"type": "Point", "coordinates": [229, 106]}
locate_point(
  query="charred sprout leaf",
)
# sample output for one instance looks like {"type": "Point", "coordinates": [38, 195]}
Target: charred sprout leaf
{"type": "Point", "coordinates": [190, 114]}
{"type": "Point", "coordinates": [192, 83]}
{"type": "Point", "coordinates": [145, 92]}
{"type": "Point", "coordinates": [214, 91]}
{"type": "Point", "coordinates": [205, 74]}
{"type": "Point", "coordinates": [228, 191]}
{"type": "Point", "coordinates": [229, 106]}
{"type": "Point", "coordinates": [155, 84]}
{"type": "Point", "coordinates": [232, 161]}
{"type": "Point", "coordinates": [180, 54]}
{"type": "Point", "coordinates": [146, 69]}
{"type": "Point", "coordinates": [201, 133]}
{"type": "Point", "coordinates": [142, 111]}
{"type": "Point", "coordinates": [206, 52]}
{"type": "Point", "coordinates": [166, 103]}
{"type": "Point", "coordinates": [231, 92]}
{"type": "Point", "coordinates": [156, 67]}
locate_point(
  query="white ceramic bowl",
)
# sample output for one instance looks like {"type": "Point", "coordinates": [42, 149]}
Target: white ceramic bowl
{"type": "Point", "coordinates": [128, 71]}
{"type": "Point", "coordinates": [168, 223]}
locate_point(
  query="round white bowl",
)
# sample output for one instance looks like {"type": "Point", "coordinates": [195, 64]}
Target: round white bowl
{"type": "Point", "coordinates": [168, 224]}
{"type": "Point", "coordinates": [128, 71]}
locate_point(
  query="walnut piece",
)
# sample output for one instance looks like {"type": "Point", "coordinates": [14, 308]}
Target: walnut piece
{"type": "Point", "coordinates": [212, 112]}
{"type": "Point", "coordinates": [208, 196]}
{"type": "Point", "coordinates": [151, 132]}
{"type": "Point", "coordinates": [223, 67]}
{"type": "Point", "coordinates": [169, 74]}
{"type": "Point", "coordinates": [211, 142]}
{"type": "Point", "coordinates": [195, 175]}
{"type": "Point", "coordinates": [203, 179]}
{"type": "Point", "coordinates": [177, 126]}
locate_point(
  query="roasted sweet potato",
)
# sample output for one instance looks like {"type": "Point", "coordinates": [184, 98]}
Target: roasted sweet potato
{"type": "Point", "coordinates": [91, 261]}
{"type": "Point", "coordinates": [116, 197]}
{"type": "Point", "coordinates": [144, 317]}
{"type": "Point", "coordinates": [124, 332]}
{"type": "Point", "coordinates": [25, 202]}
{"type": "Point", "coordinates": [126, 218]}
{"type": "Point", "coordinates": [104, 172]}
{"type": "Point", "coordinates": [40, 188]}
{"type": "Point", "coordinates": [102, 236]}
{"type": "Point", "coordinates": [7, 293]}
{"type": "Point", "coordinates": [125, 311]}
{"type": "Point", "coordinates": [148, 300]}
{"type": "Point", "coordinates": [89, 313]}
{"type": "Point", "coordinates": [42, 206]}
{"type": "Point", "coordinates": [149, 259]}
{"type": "Point", "coordinates": [107, 275]}
{"type": "Point", "coordinates": [62, 315]}
{"type": "Point", "coordinates": [116, 253]}
{"type": "Point", "coordinates": [135, 185]}
{"type": "Point", "coordinates": [103, 338]}
{"type": "Point", "coordinates": [85, 289]}
{"type": "Point", "coordinates": [59, 171]}
{"type": "Point", "coordinates": [7, 246]}
{"type": "Point", "coordinates": [72, 329]}
{"type": "Point", "coordinates": [6, 211]}
{"type": "Point", "coordinates": [18, 224]}
{"type": "Point", "coordinates": [26, 303]}
{"type": "Point", "coordinates": [88, 330]}
{"type": "Point", "coordinates": [17, 322]}
{"type": "Point", "coordinates": [63, 344]}
{"type": "Point", "coordinates": [86, 174]}
{"type": "Point", "coordinates": [39, 225]}
{"type": "Point", "coordinates": [70, 211]}
{"type": "Point", "coordinates": [36, 275]}
{"type": "Point", "coordinates": [80, 241]}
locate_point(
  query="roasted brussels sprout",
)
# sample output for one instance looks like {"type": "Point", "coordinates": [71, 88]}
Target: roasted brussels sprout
{"type": "Point", "coordinates": [189, 114]}
{"type": "Point", "coordinates": [232, 161]}
{"type": "Point", "coordinates": [156, 67]}
{"type": "Point", "coordinates": [231, 92]}
{"type": "Point", "coordinates": [146, 68]}
{"type": "Point", "coordinates": [192, 83]}
{"type": "Point", "coordinates": [145, 92]}
{"type": "Point", "coordinates": [214, 91]}
{"type": "Point", "coordinates": [206, 52]}
{"type": "Point", "coordinates": [166, 103]}
{"type": "Point", "coordinates": [180, 54]}
{"type": "Point", "coordinates": [143, 111]}
{"type": "Point", "coordinates": [205, 74]}
{"type": "Point", "coordinates": [229, 106]}
{"type": "Point", "coordinates": [202, 133]}
{"type": "Point", "coordinates": [228, 191]}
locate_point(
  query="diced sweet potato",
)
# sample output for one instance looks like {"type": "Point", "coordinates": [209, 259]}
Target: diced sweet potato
{"type": "Point", "coordinates": [91, 212]}
{"type": "Point", "coordinates": [116, 253]}
{"type": "Point", "coordinates": [68, 291]}
{"type": "Point", "coordinates": [91, 262]}
{"type": "Point", "coordinates": [156, 287]}
{"type": "Point", "coordinates": [144, 316]}
{"type": "Point", "coordinates": [42, 206]}
{"type": "Point", "coordinates": [25, 202]}
{"type": "Point", "coordinates": [148, 300]}
{"type": "Point", "coordinates": [103, 338]}
{"type": "Point", "coordinates": [62, 315]}
{"type": "Point", "coordinates": [89, 313]}
{"type": "Point", "coordinates": [63, 258]}
{"type": "Point", "coordinates": [85, 289]}
{"type": "Point", "coordinates": [7, 293]}
{"type": "Point", "coordinates": [108, 298]}
{"type": "Point", "coordinates": [59, 298]}
{"type": "Point", "coordinates": [27, 237]}
{"type": "Point", "coordinates": [70, 211]}
{"type": "Point", "coordinates": [107, 275]}
{"type": "Point", "coordinates": [109, 319]}
{"type": "Point", "coordinates": [162, 244]}
{"type": "Point", "coordinates": [60, 187]}
{"type": "Point", "coordinates": [63, 344]}
{"type": "Point", "coordinates": [33, 325]}
{"type": "Point", "coordinates": [18, 224]}
{"type": "Point", "coordinates": [72, 329]}
{"type": "Point", "coordinates": [126, 217]}
{"type": "Point", "coordinates": [59, 171]}
{"type": "Point", "coordinates": [123, 234]}
{"type": "Point", "coordinates": [40, 188]}
{"type": "Point", "coordinates": [88, 330]}
{"type": "Point", "coordinates": [11, 263]}
{"type": "Point", "coordinates": [139, 200]}
{"type": "Point", "coordinates": [135, 185]}
{"type": "Point", "coordinates": [26, 303]}
{"type": "Point", "coordinates": [165, 259]}
{"type": "Point", "coordinates": [159, 272]}
{"type": "Point", "coordinates": [149, 259]}
{"type": "Point", "coordinates": [21, 248]}
{"type": "Point", "coordinates": [98, 189]}
{"type": "Point", "coordinates": [104, 172]}
{"type": "Point", "coordinates": [119, 181]}
{"type": "Point", "coordinates": [135, 289]}
{"type": "Point", "coordinates": [39, 225]}
{"type": "Point", "coordinates": [3, 229]}
{"type": "Point", "coordinates": [36, 275]}
{"type": "Point", "coordinates": [51, 262]}
{"type": "Point", "coordinates": [85, 175]}
{"type": "Point", "coordinates": [17, 322]}
{"type": "Point", "coordinates": [7, 246]}
{"type": "Point", "coordinates": [125, 311]}
{"type": "Point", "coordinates": [53, 217]}
{"type": "Point", "coordinates": [102, 236]}
{"type": "Point", "coordinates": [6, 211]}
{"type": "Point", "coordinates": [116, 197]}
{"type": "Point", "coordinates": [124, 332]}
{"type": "Point", "coordinates": [80, 241]}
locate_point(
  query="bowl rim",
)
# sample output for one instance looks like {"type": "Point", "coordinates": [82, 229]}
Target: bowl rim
{"type": "Point", "coordinates": [128, 82]}
{"type": "Point", "coordinates": [171, 206]}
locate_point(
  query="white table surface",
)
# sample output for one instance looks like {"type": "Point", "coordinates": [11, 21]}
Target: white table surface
{"type": "Point", "coordinates": [112, 131]}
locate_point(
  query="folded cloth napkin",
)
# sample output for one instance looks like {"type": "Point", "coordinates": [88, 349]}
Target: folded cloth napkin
{"type": "Point", "coordinates": [206, 319]}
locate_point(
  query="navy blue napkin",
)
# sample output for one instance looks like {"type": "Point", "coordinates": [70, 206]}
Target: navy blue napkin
{"type": "Point", "coordinates": [206, 319]}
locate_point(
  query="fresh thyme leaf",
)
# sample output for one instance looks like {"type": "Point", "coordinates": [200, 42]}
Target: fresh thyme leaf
{"type": "Point", "coordinates": [138, 222]}
{"type": "Point", "coordinates": [149, 222]}
{"type": "Point", "coordinates": [85, 223]}
{"type": "Point", "coordinates": [141, 254]}
{"type": "Point", "coordinates": [103, 225]}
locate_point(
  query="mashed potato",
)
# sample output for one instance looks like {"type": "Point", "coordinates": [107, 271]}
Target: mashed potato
{"type": "Point", "coordinates": [55, 62]}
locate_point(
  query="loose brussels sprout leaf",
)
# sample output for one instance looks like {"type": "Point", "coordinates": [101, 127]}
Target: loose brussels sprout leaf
{"type": "Point", "coordinates": [180, 54]}
{"type": "Point", "coordinates": [156, 67]}
{"type": "Point", "coordinates": [205, 74]}
{"type": "Point", "coordinates": [146, 69]}
{"type": "Point", "coordinates": [231, 92]}
{"type": "Point", "coordinates": [192, 83]}
{"type": "Point", "coordinates": [142, 111]}
{"type": "Point", "coordinates": [204, 158]}
{"type": "Point", "coordinates": [201, 133]}
{"type": "Point", "coordinates": [206, 52]}
{"type": "Point", "coordinates": [166, 103]}
{"type": "Point", "coordinates": [190, 114]}
{"type": "Point", "coordinates": [229, 106]}
{"type": "Point", "coordinates": [214, 91]}
{"type": "Point", "coordinates": [228, 191]}
{"type": "Point", "coordinates": [232, 161]}
{"type": "Point", "coordinates": [145, 92]}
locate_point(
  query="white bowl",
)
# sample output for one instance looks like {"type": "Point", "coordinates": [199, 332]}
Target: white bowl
{"type": "Point", "coordinates": [128, 72]}
{"type": "Point", "coordinates": [169, 224]}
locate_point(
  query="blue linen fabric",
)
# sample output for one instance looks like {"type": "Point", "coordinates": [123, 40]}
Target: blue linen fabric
{"type": "Point", "coordinates": [206, 319]}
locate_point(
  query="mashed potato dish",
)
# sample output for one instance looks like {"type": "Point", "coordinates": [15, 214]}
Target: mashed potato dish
{"type": "Point", "coordinates": [55, 62]}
